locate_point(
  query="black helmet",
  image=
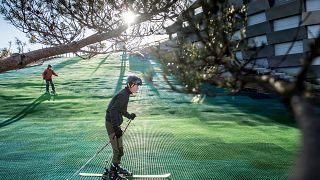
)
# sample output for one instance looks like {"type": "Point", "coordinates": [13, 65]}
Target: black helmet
{"type": "Point", "coordinates": [49, 66]}
{"type": "Point", "coordinates": [134, 80]}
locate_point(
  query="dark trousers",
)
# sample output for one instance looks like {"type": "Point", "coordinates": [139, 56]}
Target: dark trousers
{"type": "Point", "coordinates": [116, 143]}
{"type": "Point", "coordinates": [52, 85]}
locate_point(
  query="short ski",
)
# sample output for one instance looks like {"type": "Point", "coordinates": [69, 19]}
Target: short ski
{"type": "Point", "coordinates": [132, 177]}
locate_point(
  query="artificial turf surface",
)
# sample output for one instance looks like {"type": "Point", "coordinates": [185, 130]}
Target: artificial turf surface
{"type": "Point", "coordinates": [51, 137]}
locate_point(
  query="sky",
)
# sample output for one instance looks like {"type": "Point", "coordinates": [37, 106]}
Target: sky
{"type": "Point", "coordinates": [8, 33]}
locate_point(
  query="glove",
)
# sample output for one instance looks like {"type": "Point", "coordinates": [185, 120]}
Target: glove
{"type": "Point", "coordinates": [118, 131]}
{"type": "Point", "coordinates": [132, 116]}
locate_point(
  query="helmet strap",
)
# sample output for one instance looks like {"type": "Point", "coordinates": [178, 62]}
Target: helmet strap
{"type": "Point", "coordinates": [130, 86]}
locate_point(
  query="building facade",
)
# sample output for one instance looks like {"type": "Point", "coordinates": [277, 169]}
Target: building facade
{"type": "Point", "coordinates": [284, 27]}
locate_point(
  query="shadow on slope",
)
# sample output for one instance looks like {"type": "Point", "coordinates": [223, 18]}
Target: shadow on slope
{"type": "Point", "coordinates": [121, 75]}
{"type": "Point", "coordinates": [100, 63]}
{"type": "Point", "coordinates": [26, 110]}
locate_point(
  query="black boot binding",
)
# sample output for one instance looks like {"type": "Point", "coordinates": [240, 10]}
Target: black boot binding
{"type": "Point", "coordinates": [116, 168]}
{"type": "Point", "coordinates": [124, 171]}
{"type": "Point", "coordinates": [111, 174]}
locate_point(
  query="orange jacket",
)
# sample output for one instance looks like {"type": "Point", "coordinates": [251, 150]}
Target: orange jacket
{"type": "Point", "coordinates": [47, 74]}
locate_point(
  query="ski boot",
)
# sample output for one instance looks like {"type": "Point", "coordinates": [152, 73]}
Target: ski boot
{"type": "Point", "coordinates": [110, 175]}
{"type": "Point", "coordinates": [115, 176]}
{"type": "Point", "coordinates": [124, 171]}
{"type": "Point", "coordinates": [119, 170]}
{"type": "Point", "coordinates": [105, 175]}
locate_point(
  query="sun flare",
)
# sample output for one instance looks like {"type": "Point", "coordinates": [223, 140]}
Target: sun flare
{"type": "Point", "coordinates": [129, 17]}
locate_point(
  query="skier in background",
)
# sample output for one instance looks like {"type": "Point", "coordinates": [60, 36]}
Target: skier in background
{"type": "Point", "coordinates": [47, 76]}
{"type": "Point", "coordinates": [116, 109]}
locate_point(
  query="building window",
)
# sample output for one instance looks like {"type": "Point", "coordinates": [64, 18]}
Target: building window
{"type": "Point", "coordinates": [256, 18]}
{"type": "Point", "coordinates": [257, 41]}
{"type": "Point", "coordinates": [286, 23]}
{"type": "Point", "coordinates": [202, 25]}
{"type": "Point", "coordinates": [236, 36]}
{"type": "Point", "coordinates": [312, 5]}
{"type": "Point", "coordinates": [283, 48]}
{"type": "Point", "coordinates": [198, 10]}
{"type": "Point", "coordinates": [281, 2]}
{"type": "Point", "coordinates": [185, 24]}
{"type": "Point", "coordinates": [292, 71]}
{"type": "Point", "coordinates": [173, 36]}
{"type": "Point", "coordinates": [316, 61]}
{"type": "Point", "coordinates": [262, 62]}
{"type": "Point", "coordinates": [239, 55]}
{"type": "Point", "coordinates": [313, 31]}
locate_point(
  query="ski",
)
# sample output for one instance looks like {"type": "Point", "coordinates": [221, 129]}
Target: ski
{"type": "Point", "coordinates": [132, 177]}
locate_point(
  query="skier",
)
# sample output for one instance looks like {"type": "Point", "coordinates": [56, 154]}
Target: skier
{"type": "Point", "coordinates": [47, 75]}
{"type": "Point", "coordinates": [116, 109]}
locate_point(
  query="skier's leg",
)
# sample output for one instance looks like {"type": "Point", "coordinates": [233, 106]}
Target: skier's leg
{"type": "Point", "coordinates": [120, 149]}
{"type": "Point", "coordinates": [47, 86]}
{"type": "Point", "coordinates": [52, 86]}
{"type": "Point", "coordinates": [122, 170]}
{"type": "Point", "coordinates": [115, 143]}
{"type": "Point", "coordinates": [117, 149]}
{"type": "Point", "coordinates": [114, 170]}
{"type": "Point", "coordinates": [119, 153]}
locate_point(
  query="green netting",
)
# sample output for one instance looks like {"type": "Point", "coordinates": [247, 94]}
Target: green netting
{"type": "Point", "coordinates": [51, 137]}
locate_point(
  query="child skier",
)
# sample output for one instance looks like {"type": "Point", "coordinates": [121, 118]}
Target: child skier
{"type": "Point", "coordinates": [116, 109]}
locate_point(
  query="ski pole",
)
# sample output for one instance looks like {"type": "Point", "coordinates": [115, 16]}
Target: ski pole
{"type": "Point", "coordinates": [98, 152]}
{"type": "Point", "coordinates": [110, 140]}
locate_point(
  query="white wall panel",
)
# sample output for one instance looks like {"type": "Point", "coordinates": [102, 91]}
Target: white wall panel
{"type": "Point", "coordinates": [198, 10]}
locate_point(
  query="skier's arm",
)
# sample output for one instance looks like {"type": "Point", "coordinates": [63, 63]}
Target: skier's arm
{"type": "Point", "coordinates": [54, 73]}
{"type": "Point", "coordinates": [125, 113]}
{"type": "Point", "coordinates": [116, 109]}
{"type": "Point", "coordinates": [128, 115]}
{"type": "Point", "coordinates": [123, 107]}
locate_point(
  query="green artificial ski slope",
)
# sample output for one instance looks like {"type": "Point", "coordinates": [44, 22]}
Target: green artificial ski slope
{"type": "Point", "coordinates": [51, 137]}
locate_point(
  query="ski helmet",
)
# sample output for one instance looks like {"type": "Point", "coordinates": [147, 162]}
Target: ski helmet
{"type": "Point", "coordinates": [134, 80]}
